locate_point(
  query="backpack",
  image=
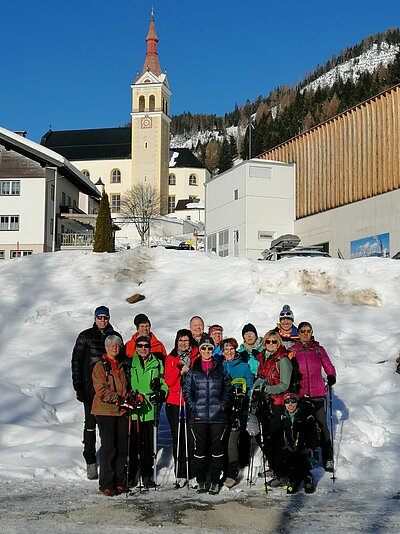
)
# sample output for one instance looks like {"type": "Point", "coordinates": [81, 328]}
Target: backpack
{"type": "Point", "coordinates": [296, 376]}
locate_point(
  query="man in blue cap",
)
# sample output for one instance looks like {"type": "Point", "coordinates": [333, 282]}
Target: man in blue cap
{"type": "Point", "coordinates": [88, 350]}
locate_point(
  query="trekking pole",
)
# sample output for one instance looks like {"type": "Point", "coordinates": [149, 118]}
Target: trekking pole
{"type": "Point", "coordinates": [128, 453]}
{"type": "Point", "coordinates": [331, 417]}
{"type": "Point", "coordinates": [186, 444]}
{"type": "Point", "coordinates": [178, 440]}
{"type": "Point", "coordinates": [138, 452]}
{"type": "Point", "coordinates": [251, 462]}
{"type": "Point", "coordinates": [263, 454]}
{"type": "Point", "coordinates": [155, 386]}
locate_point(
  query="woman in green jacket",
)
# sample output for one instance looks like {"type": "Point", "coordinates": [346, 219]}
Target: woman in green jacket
{"type": "Point", "coordinates": [146, 379]}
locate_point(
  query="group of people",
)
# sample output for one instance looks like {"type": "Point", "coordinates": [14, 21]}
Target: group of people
{"type": "Point", "coordinates": [211, 388]}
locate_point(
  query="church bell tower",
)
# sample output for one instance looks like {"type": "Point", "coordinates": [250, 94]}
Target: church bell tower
{"type": "Point", "coordinates": [151, 122]}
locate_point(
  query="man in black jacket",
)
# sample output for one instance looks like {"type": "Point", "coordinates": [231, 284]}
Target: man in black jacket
{"type": "Point", "coordinates": [88, 350]}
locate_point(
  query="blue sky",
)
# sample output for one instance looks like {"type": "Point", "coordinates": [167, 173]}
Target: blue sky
{"type": "Point", "coordinates": [69, 64]}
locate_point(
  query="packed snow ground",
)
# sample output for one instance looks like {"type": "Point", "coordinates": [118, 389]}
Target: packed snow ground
{"type": "Point", "coordinates": [46, 300]}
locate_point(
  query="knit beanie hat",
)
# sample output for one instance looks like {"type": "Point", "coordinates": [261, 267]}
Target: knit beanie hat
{"type": "Point", "coordinates": [141, 339]}
{"type": "Point", "coordinates": [286, 313]}
{"type": "Point", "coordinates": [101, 310]}
{"type": "Point", "coordinates": [140, 319]}
{"type": "Point", "coordinates": [249, 328]}
{"type": "Point", "coordinates": [206, 342]}
{"type": "Point", "coordinates": [229, 342]}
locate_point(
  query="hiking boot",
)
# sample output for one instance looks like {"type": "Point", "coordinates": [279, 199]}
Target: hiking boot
{"type": "Point", "coordinates": [292, 488]}
{"type": "Point", "coordinates": [229, 482]}
{"type": "Point", "coordinates": [121, 489]}
{"type": "Point", "coordinates": [91, 471]}
{"type": "Point", "coordinates": [108, 492]}
{"type": "Point", "coordinates": [149, 484]}
{"type": "Point", "coordinates": [278, 482]}
{"type": "Point", "coordinates": [268, 474]}
{"type": "Point", "coordinates": [214, 489]}
{"type": "Point", "coordinates": [309, 484]}
{"type": "Point", "coordinates": [201, 487]}
{"type": "Point", "coordinates": [329, 466]}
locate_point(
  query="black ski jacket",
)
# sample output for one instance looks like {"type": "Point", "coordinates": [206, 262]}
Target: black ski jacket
{"type": "Point", "coordinates": [88, 350]}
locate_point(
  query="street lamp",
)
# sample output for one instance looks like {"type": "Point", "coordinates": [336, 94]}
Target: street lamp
{"type": "Point", "coordinates": [99, 184]}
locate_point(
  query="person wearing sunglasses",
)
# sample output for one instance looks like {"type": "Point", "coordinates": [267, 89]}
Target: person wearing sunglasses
{"type": "Point", "coordinates": [242, 382]}
{"type": "Point", "coordinates": [88, 350]}
{"type": "Point", "coordinates": [313, 359]}
{"type": "Point", "coordinates": [299, 443]}
{"type": "Point", "coordinates": [146, 373]}
{"type": "Point", "coordinates": [286, 328]}
{"type": "Point", "coordinates": [207, 392]}
{"type": "Point", "coordinates": [177, 365]}
{"type": "Point", "coordinates": [274, 374]}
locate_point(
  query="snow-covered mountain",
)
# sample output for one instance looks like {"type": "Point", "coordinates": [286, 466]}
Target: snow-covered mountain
{"type": "Point", "coordinates": [378, 55]}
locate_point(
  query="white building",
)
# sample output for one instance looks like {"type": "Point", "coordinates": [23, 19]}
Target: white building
{"type": "Point", "coordinates": [248, 206]}
{"type": "Point", "coordinates": [39, 190]}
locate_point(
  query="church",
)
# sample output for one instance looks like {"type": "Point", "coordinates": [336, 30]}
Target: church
{"type": "Point", "coordinates": [120, 158]}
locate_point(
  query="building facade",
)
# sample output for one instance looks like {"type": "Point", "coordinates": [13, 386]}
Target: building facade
{"type": "Point", "coordinates": [37, 186]}
{"type": "Point", "coordinates": [248, 206]}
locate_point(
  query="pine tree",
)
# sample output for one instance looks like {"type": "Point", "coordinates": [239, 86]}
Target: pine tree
{"type": "Point", "coordinates": [225, 159]}
{"type": "Point", "coordinates": [103, 234]}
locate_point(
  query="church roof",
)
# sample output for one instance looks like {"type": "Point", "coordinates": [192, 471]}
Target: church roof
{"type": "Point", "coordinates": [183, 157]}
{"type": "Point", "coordinates": [96, 144]}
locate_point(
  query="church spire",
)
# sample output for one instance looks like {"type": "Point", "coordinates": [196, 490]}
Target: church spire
{"type": "Point", "coordinates": [151, 62]}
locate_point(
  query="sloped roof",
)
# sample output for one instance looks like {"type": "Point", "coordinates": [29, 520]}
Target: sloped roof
{"type": "Point", "coordinates": [95, 144]}
{"type": "Point", "coordinates": [47, 158]}
{"type": "Point", "coordinates": [183, 157]}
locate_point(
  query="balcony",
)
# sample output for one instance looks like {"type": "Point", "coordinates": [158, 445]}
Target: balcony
{"type": "Point", "coordinates": [76, 241]}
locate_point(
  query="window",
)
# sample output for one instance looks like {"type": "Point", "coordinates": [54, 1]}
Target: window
{"type": "Point", "coordinates": [52, 191]}
{"type": "Point", "coordinates": [212, 243]}
{"type": "Point", "coordinates": [236, 194]}
{"type": "Point", "coordinates": [63, 203]}
{"type": "Point", "coordinates": [9, 222]}
{"type": "Point", "coordinates": [172, 179]}
{"type": "Point", "coordinates": [51, 226]}
{"type": "Point", "coordinates": [115, 203]}
{"type": "Point", "coordinates": [86, 173]}
{"type": "Point", "coordinates": [152, 103]}
{"type": "Point", "coordinates": [2, 254]}
{"type": "Point", "coordinates": [193, 198]}
{"type": "Point", "coordinates": [223, 243]}
{"type": "Point", "coordinates": [10, 187]}
{"type": "Point", "coordinates": [74, 203]}
{"type": "Point", "coordinates": [192, 179]}
{"type": "Point", "coordinates": [116, 176]}
{"type": "Point", "coordinates": [69, 200]}
{"type": "Point", "coordinates": [265, 235]}
{"type": "Point", "coordinates": [171, 204]}
{"type": "Point", "coordinates": [20, 253]}
{"type": "Point", "coordinates": [141, 103]}
{"type": "Point", "coordinates": [146, 144]}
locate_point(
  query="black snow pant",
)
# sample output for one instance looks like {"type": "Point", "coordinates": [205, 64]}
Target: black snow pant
{"type": "Point", "coordinates": [142, 451]}
{"type": "Point", "coordinates": [297, 465]}
{"type": "Point", "coordinates": [89, 434]}
{"type": "Point", "coordinates": [320, 415]}
{"type": "Point", "coordinates": [272, 433]}
{"type": "Point", "coordinates": [172, 411]}
{"type": "Point", "coordinates": [208, 439]}
{"type": "Point", "coordinates": [231, 453]}
{"type": "Point", "coordinates": [114, 449]}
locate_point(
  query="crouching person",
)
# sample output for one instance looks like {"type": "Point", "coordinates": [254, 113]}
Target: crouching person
{"type": "Point", "coordinates": [148, 383]}
{"type": "Point", "coordinates": [299, 439]}
{"type": "Point", "coordinates": [110, 406]}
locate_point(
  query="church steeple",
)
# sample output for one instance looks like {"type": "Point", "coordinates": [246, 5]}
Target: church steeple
{"type": "Point", "coordinates": [151, 62]}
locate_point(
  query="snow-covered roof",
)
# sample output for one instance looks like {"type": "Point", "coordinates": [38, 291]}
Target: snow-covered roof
{"type": "Point", "coordinates": [47, 157]}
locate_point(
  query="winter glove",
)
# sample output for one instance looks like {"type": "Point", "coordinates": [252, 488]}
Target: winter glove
{"type": "Point", "coordinates": [331, 380]}
{"type": "Point", "coordinates": [259, 384]}
{"type": "Point", "coordinates": [158, 397]}
{"type": "Point", "coordinates": [134, 399]}
{"type": "Point", "coordinates": [185, 359]}
{"type": "Point", "coordinates": [255, 353]}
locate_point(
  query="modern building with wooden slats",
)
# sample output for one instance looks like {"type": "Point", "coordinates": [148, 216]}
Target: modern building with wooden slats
{"type": "Point", "coordinates": [347, 177]}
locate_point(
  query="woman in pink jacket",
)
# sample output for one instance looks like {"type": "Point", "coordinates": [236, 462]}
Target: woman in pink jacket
{"type": "Point", "coordinates": [312, 359]}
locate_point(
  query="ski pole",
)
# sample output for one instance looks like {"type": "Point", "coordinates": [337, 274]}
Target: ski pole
{"type": "Point", "coordinates": [155, 429]}
{"type": "Point", "coordinates": [331, 417]}
{"type": "Point", "coordinates": [138, 452]}
{"type": "Point", "coordinates": [186, 444]}
{"type": "Point", "coordinates": [128, 453]}
{"type": "Point", "coordinates": [263, 454]}
{"type": "Point", "coordinates": [178, 440]}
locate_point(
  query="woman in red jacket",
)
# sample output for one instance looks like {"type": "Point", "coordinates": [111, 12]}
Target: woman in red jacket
{"type": "Point", "coordinates": [177, 364]}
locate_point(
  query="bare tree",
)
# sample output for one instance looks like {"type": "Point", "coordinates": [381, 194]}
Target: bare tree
{"type": "Point", "coordinates": [141, 205]}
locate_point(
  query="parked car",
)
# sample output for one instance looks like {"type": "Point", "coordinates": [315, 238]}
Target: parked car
{"type": "Point", "coordinates": [287, 246]}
